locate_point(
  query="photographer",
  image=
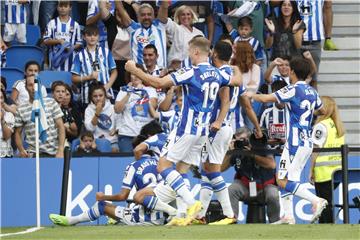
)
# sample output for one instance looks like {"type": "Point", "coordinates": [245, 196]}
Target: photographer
{"type": "Point", "coordinates": [254, 180]}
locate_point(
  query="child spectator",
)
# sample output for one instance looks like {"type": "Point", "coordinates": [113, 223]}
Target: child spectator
{"type": "Point", "coordinates": [63, 37]}
{"type": "Point", "coordinates": [93, 64]}
{"type": "Point", "coordinates": [243, 33]}
{"type": "Point", "coordinates": [6, 128]}
{"type": "Point", "coordinates": [87, 144]}
{"type": "Point", "coordinates": [15, 21]}
{"type": "Point", "coordinates": [282, 65]}
{"type": "Point", "coordinates": [100, 116]}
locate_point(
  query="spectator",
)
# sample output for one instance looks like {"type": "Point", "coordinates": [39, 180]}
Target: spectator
{"type": "Point", "coordinates": [15, 24]}
{"type": "Point", "coordinates": [245, 28]}
{"type": "Point", "coordinates": [100, 116]}
{"type": "Point", "coordinates": [132, 105]}
{"type": "Point", "coordinates": [19, 93]}
{"type": "Point", "coordinates": [282, 65]}
{"type": "Point", "coordinates": [54, 144]}
{"type": "Point", "coordinates": [328, 132]}
{"type": "Point", "coordinates": [93, 64]}
{"type": "Point", "coordinates": [6, 128]}
{"type": "Point", "coordinates": [63, 37]}
{"type": "Point", "coordinates": [3, 48]}
{"type": "Point", "coordinates": [180, 31]}
{"type": "Point", "coordinates": [328, 23]}
{"type": "Point", "coordinates": [72, 118]}
{"type": "Point", "coordinates": [47, 11]}
{"type": "Point", "coordinates": [147, 31]}
{"type": "Point", "coordinates": [255, 175]}
{"type": "Point", "coordinates": [87, 144]}
{"type": "Point", "coordinates": [285, 32]}
{"type": "Point", "coordinates": [9, 104]}
{"type": "Point", "coordinates": [273, 119]}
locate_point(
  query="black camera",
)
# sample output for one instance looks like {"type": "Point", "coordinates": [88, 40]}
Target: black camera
{"type": "Point", "coordinates": [241, 143]}
{"type": "Point", "coordinates": [96, 66]}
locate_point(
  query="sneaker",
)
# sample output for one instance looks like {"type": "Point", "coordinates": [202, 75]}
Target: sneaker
{"type": "Point", "coordinates": [111, 221]}
{"type": "Point", "coordinates": [285, 220]}
{"type": "Point", "coordinates": [194, 209]}
{"type": "Point", "coordinates": [329, 45]}
{"type": "Point", "coordinates": [199, 221]}
{"type": "Point", "coordinates": [225, 221]}
{"type": "Point", "coordinates": [59, 220]}
{"type": "Point", "coordinates": [317, 209]}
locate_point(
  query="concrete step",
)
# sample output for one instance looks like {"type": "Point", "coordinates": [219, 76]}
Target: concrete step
{"type": "Point", "coordinates": [347, 42]}
{"type": "Point", "coordinates": [346, 7]}
{"type": "Point", "coordinates": [352, 66]}
{"type": "Point", "coordinates": [347, 102]}
{"type": "Point", "coordinates": [345, 20]}
{"type": "Point", "coordinates": [353, 139]}
{"type": "Point", "coordinates": [352, 31]}
{"type": "Point", "coordinates": [339, 90]}
{"type": "Point", "coordinates": [350, 115]}
{"type": "Point", "coordinates": [352, 126]}
{"type": "Point", "coordinates": [341, 55]}
{"type": "Point", "coordinates": [338, 77]}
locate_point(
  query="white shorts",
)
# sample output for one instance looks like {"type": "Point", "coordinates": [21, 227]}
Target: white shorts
{"type": "Point", "coordinates": [291, 166]}
{"type": "Point", "coordinates": [12, 29]}
{"type": "Point", "coordinates": [215, 147]}
{"type": "Point", "coordinates": [164, 192]}
{"type": "Point", "coordinates": [136, 215]}
{"type": "Point", "coordinates": [185, 148]}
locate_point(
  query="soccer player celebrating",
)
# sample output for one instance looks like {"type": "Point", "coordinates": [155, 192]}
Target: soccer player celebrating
{"type": "Point", "coordinates": [200, 88]}
{"type": "Point", "coordinates": [301, 101]}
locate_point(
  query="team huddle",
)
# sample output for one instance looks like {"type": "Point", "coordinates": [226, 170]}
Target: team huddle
{"type": "Point", "coordinates": [199, 134]}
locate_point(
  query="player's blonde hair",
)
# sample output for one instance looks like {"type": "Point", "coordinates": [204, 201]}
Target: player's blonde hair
{"type": "Point", "coordinates": [331, 111]}
{"type": "Point", "coordinates": [180, 10]}
{"type": "Point", "coordinates": [201, 43]}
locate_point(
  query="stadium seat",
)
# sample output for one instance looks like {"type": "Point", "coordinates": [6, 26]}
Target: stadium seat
{"type": "Point", "coordinates": [18, 56]}
{"type": "Point", "coordinates": [103, 145]}
{"type": "Point", "coordinates": [33, 36]}
{"type": "Point", "coordinates": [48, 77]}
{"type": "Point", "coordinates": [11, 75]}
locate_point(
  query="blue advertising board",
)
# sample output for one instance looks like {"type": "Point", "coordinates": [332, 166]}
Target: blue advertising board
{"type": "Point", "coordinates": [90, 175]}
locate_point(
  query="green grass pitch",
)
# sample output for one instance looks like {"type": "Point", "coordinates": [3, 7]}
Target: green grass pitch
{"type": "Point", "coordinates": [243, 231]}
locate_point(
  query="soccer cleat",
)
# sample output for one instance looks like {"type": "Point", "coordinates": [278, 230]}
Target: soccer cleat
{"type": "Point", "coordinates": [194, 209]}
{"type": "Point", "coordinates": [329, 45]}
{"type": "Point", "coordinates": [59, 220]}
{"type": "Point", "coordinates": [285, 220]}
{"type": "Point", "coordinates": [111, 221]}
{"type": "Point", "coordinates": [225, 221]}
{"type": "Point", "coordinates": [317, 209]}
{"type": "Point", "coordinates": [199, 221]}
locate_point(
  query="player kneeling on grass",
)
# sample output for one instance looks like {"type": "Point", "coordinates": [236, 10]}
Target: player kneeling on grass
{"type": "Point", "coordinates": [140, 174]}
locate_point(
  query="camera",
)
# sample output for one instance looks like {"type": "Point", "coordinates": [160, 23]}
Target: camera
{"type": "Point", "coordinates": [241, 144]}
{"type": "Point", "coordinates": [96, 66]}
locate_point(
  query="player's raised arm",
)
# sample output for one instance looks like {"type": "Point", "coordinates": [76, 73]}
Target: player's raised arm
{"type": "Point", "coordinates": [156, 82]}
{"type": "Point", "coordinates": [264, 98]}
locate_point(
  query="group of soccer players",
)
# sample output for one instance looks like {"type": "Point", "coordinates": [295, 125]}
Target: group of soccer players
{"type": "Point", "coordinates": [201, 136]}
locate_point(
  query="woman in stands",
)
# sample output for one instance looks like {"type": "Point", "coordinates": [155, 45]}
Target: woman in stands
{"type": "Point", "coordinates": [100, 116]}
{"type": "Point", "coordinates": [6, 128]}
{"type": "Point", "coordinates": [19, 93]}
{"type": "Point", "coordinates": [328, 132]}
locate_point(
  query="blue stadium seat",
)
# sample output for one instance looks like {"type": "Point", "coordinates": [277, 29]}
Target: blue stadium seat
{"type": "Point", "coordinates": [103, 145]}
{"type": "Point", "coordinates": [48, 77]}
{"type": "Point", "coordinates": [11, 75]}
{"type": "Point", "coordinates": [18, 56]}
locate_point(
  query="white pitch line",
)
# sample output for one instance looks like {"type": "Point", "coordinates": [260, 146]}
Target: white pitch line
{"type": "Point", "coordinates": [30, 230]}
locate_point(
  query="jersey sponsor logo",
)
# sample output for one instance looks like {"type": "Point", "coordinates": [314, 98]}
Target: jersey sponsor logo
{"type": "Point", "coordinates": [277, 130]}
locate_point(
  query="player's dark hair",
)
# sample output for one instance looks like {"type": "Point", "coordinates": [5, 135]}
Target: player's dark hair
{"type": "Point", "coordinates": [223, 50]}
{"type": "Point", "coordinates": [151, 46]}
{"type": "Point", "coordinates": [301, 67]}
{"type": "Point", "coordinates": [151, 129]}
{"type": "Point", "coordinates": [245, 21]}
{"type": "Point", "coordinates": [137, 140]}
{"type": "Point", "coordinates": [277, 85]}
{"type": "Point", "coordinates": [225, 37]}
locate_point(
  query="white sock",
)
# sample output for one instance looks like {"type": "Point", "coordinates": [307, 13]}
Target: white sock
{"type": "Point", "coordinates": [181, 207]}
{"type": "Point", "coordinates": [206, 193]}
{"type": "Point", "coordinates": [221, 191]}
{"type": "Point", "coordinates": [90, 215]}
{"type": "Point", "coordinates": [288, 206]}
{"type": "Point", "coordinates": [163, 207]}
{"type": "Point", "coordinates": [304, 193]}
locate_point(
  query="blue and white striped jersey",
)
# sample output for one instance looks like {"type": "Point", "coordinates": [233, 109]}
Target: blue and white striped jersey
{"type": "Point", "coordinates": [201, 84]}
{"type": "Point", "coordinates": [93, 9]}
{"type": "Point", "coordinates": [82, 66]}
{"type": "Point", "coordinates": [169, 119]}
{"type": "Point", "coordinates": [155, 143]}
{"type": "Point", "coordinates": [311, 12]}
{"type": "Point", "coordinates": [252, 41]}
{"type": "Point", "coordinates": [15, 12]}
{"type": "Point", "coordinates": [141, 173]}
{"type": "Point", "coordinates": [69, 32]}
{"type": "Point", "coordinates": [140, 37]}
{"type": "Point", "coordinates": [273, 119]}
{"type": "Point", "coordinates": [301, 101]}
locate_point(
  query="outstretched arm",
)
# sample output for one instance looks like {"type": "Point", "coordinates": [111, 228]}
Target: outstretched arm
{"type": "Point", "coordinates": [125, 18]}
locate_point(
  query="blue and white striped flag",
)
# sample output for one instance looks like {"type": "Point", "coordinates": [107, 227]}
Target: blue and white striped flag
{"type": "Point", "coordinates": [38, 109]}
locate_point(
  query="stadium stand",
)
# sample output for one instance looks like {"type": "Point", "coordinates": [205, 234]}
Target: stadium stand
{"type": "Point", "coordinates": [11, 75]}
{"type": "Point", "coordinates": [48, 77]}
{"type": "Point", "coordinates": [18, 56]}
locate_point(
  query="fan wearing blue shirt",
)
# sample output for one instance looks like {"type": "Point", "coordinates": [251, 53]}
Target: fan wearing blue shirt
{"type": "Point", "coordinates": [301, 101]}
{"type": "Point", "coordinates": [200, 85]}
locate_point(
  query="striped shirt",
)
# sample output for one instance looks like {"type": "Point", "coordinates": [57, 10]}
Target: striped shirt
{"type": "Point", "coordinates": [15, 12]}
{"type": "Point", "coordinates": [301, 101]}
{"type": "Point", "coordinates": [23, 119]}
{"type": "Point", "coordinates": [83, 66]}
{"type": "Point", "coordinates": [69, 32]}
{"type": "Point", "coordinates": [140, 37]}
{"type": "Point", "coordinates": [255, 44]}
{"type": "Point", "coordinates": [201, 84]}
{"type": "Point", "coordinates": [273, 119]}
{"type": "Point", "coordinates": [311, 12]}
{"type": "Point", "coordinates": [155, 143]}
{"type": "Point", "coordinates": [169, 119]}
